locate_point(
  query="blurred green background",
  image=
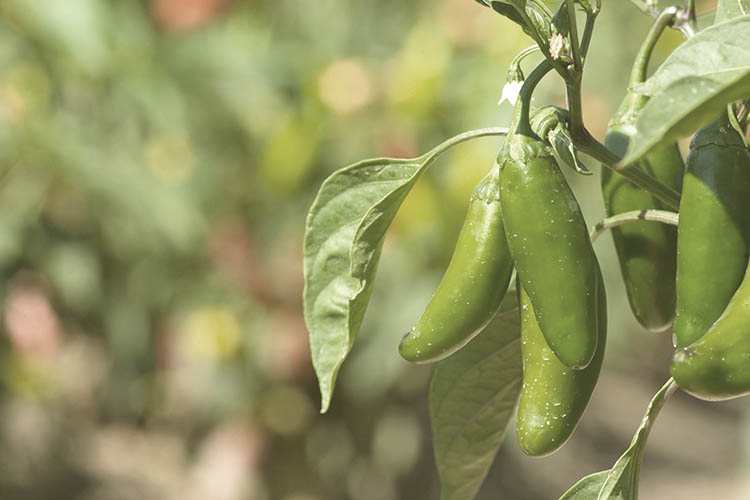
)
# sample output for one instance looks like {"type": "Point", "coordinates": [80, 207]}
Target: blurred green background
{"type": "Point", "coordinates": [157, 159]}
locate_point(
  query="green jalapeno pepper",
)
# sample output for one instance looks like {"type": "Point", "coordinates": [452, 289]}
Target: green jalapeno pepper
{"type": "Point", "coordinates": [712, 238]}
{"type": "Point", "coordinates": [551, 248]}
{"type": "Point", "coordinates": [473, 286]}
{"type": "Point", "coordinates": [717, 366]}
{"type": "Point", "coordinates": [553, 396]}
{"type": "Point", "coordinates": [647, 250]}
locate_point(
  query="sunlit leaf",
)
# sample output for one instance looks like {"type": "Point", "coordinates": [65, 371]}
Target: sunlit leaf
{"type": "Point", "coordinates": [343, 240]}
{"type": "Point", "coordinates": [693, 85]}
{"type": "Point", "coordinates": [727, 9]}
{"type": "Point", "coordinates": [344, 236]}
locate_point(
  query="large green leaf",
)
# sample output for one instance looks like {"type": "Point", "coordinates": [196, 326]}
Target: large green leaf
{"type": "Point", "coordinates": [344, 236]}
{"type": "Point", "coordinates": [684, 107]}
{"type": "Point", "coordinates": [343, 240]}
{"type": "Point", "coordinates": [693, 85]}
{"type": "Point", "coordinates": [727, 9]}
{"type": "Point", "coordinates": [721, 48]}
{"type": "Point", "coordinates": [472, 397]}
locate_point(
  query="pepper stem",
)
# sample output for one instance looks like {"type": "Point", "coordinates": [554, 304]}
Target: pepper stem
{"type": "Point", "coordinates": [663, 216]}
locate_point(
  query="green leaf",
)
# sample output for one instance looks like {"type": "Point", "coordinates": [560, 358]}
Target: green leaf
{"type": "Point", "coordinates": [539, 19]}
{"type": "Point", "coordinates": [621, 481]}
{"type": "Point", "coordinates": [564, 150]}
{"type": "Point", "coordinates": [344, 236]}
{"type": "Point", "coordinates": [727, 9]}
{"type": "Point", "coordinates": [343, 239]}
{"type": "Point", "coordinates": [684, 107]}
{"type": "Point", "coordinates": [587, 488]}
{"type": "Point", "coordinates": [550, 123]}
{"type": "Point", "coordinates": [473, 395]}
{"type": "Point", "coordinates": [693, 85]}
{"type": "Point", "coordinates": [721, 48]}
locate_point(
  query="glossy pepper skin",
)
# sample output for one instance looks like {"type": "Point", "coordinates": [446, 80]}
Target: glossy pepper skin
{"type": "Point", "coordinates": [553, 396]}
{"type": "Point", "coordinates": [647, 251]}
{"type": "Point", "coordinates": [473, 286]}
{"type": "Point", "coordinates": [712, 233]}
{"type": "Point", "coordinates": [717, 366]}
{"type": "Point", "coordinates": [551, 248]}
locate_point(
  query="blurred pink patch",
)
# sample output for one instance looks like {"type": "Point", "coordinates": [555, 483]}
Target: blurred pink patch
{"type": "Point", "coordinates": [465, 23]}
{"type": "Point", "coordinates": [234, 250]}
{"type": "Point", "coordinates": [32, 324]}
{"type": "Point", "coordinates": [396, 139]}
{"type": "Point", "coordinates": [186, 15]}
{"type": "Point", "coordinates": [227, 463]}
{"type": "Point", "coordinates": [284, 349]}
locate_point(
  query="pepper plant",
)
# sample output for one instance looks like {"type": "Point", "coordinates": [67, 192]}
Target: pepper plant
{"type": "Point", "coordinates": [537, 343]}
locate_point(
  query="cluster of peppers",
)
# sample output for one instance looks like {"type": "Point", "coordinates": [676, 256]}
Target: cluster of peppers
{"type": "Point", "coordinates": [694, 278]}
{"type": "Point", "coordinates": [523, 214]}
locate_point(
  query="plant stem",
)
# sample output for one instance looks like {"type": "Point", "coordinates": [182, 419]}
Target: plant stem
{"type": "Point", "coordinates": [654, 407]}
{"type": "Point", "coordinates": [587, 144]}
{"type": "Point", "coordinates": [582, 138]}
{"type": "Point", "coordinates": [575, 48]}
{"type": "Point", "coordinates": [516, 61]}
{"type": "Point", "coordinates": [520, 122]}
{"type": "Point", "coordinates": [685, 21]}
{"type": "Point", "coordinates": [543, 45]}
{"type": "Point", "coordinates": [662, 216]}
{"type": "Point", "coordinates": [634, 102]}
{"type": "Point", "coordinates": [588, 31]}
{"type": "Point", "coordinates": [692, 18]}
{"type": "Point", "coordinates": [542, 7]}
{"type": "Point", "coordinates": [575, 106]}
{"type": "Point", "coordinates": [640, 65]}
{"type": "Point", "coordinates": [463, 137]}
{"type": "Point", "coordinates": [595, 149]}
{"type": "Point", "coordinates": [573, 83]}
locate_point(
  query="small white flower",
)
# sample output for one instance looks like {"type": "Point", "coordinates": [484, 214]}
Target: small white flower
{"type": "Point", "coordinates": [511, 91]}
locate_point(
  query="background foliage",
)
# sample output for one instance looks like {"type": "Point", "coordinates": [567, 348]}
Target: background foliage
{"type": "Point", "coordinates": [156, 162]}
